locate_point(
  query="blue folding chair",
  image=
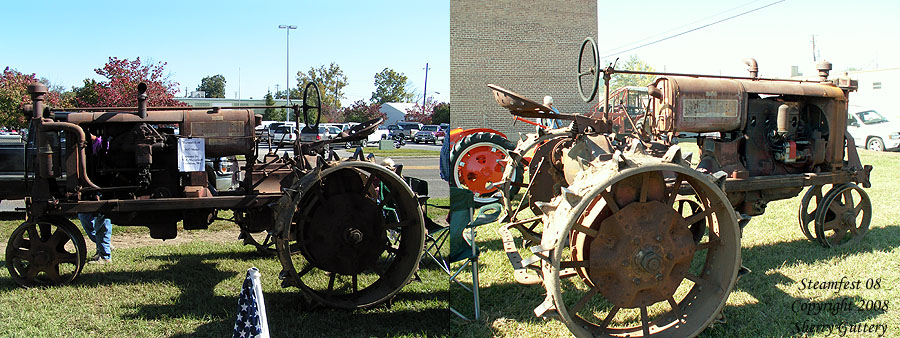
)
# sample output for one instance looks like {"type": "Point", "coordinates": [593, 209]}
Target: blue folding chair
{"type": "Point", "coordinates": [465, 216]}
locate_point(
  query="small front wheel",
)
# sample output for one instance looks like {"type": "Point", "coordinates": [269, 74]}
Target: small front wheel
{"type": "Point", "coordinates": [49, 251]}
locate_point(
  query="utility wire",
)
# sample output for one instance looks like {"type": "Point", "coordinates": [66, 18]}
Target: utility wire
{"type": "Point", "coordinates": [691, 30]}
{"type": "Point", "coordinates": [679, 27]}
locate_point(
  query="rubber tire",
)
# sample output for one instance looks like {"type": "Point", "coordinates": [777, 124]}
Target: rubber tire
{"type": "Point", "coordinates": [479, 137]}
{"type": "Point", "coordinates": [875, 142]}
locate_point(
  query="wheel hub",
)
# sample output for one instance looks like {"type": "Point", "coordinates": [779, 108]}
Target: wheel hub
{"type": "Point", "coordinates": [481, 166]}
{"type": "Point", "coordinates": [345, 234]}
{"type": "Point", "coordinates": [41, 259]}
{"type": "Point", "coordinates": [641, 254]}
{"type": "Point", "coordinates": [848, 220]}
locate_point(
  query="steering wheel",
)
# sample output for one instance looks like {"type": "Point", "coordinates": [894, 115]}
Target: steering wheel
{"type": "Point", "coordinates": [306, 107]}
{"type": "Point", "coordinates": [359, 131]}
{"type": "Point", "coordinates": [592, 71]}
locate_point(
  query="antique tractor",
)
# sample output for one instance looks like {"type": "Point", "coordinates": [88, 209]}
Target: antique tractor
{"type": "Point", "coordinates": [145, 167]}
{"type": "Point", "coordinates": [629, 240]}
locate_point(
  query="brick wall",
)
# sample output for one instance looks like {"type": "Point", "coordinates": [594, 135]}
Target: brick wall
{"type": "Point", "coordinates": [529, 47]}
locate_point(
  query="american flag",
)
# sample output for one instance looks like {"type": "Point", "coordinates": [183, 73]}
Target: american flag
{"type": "Point", "coordinates": [251, 318]}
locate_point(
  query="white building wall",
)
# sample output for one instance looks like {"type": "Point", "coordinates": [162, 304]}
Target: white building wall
{"type": "Point", "coordinates": [876, 89]}
{"type": "Point", "coordinates": [395, 111]}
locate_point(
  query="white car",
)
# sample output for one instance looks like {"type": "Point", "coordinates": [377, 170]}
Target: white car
{"type": "Point", "coordinates": [284, 134]}
{"type": "Point", "coordinates": [873, 131]}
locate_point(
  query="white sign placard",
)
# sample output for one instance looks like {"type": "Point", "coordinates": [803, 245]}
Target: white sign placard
{"type": "Point", "coordinates": [191, 154]}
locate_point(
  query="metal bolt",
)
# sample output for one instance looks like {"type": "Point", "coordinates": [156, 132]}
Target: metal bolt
{"type": "Point", "coordinates": [658, 238]}
{"type": "Point", "coordinates": [659, 277]}
{"type": "Point", "coordinates": [354, 236]}
{"type": "Point", "coordinates": [637, 281]}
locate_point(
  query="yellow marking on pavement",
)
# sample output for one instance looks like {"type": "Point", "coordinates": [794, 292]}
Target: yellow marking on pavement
{"type": "Point", "coordinates": [421, 167]}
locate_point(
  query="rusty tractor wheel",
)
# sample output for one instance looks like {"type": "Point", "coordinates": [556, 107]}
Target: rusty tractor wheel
{"type": "Point", "coordinates": [478, 161]}
{"type": "Point", "coordinates": [354, 236]}
{"type": "Point", "coordinates": [262, 241]}
{"type": "Point", "coordinates": [844, 217]}
{"type": "Point", "coordinates": [255, 225]}
{"type": "Point", "coordinates": [809, 208]}
{"type": "Point", "coordinates": [644, 271]}
{"type": "Point", "coordinates": [50, 251]}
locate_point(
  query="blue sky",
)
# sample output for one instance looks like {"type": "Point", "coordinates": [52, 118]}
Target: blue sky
{"type": "Point", "coordinates": [201, 38]}
{"type": "Point", "coordinates": [859, 34]}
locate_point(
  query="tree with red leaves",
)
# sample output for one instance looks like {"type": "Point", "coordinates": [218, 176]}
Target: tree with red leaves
{"type": "Point", "coordinates": [123, 77]}
{"type": "Point", "coordinates": [417, 114]}
{"type": "Point", "coordinates": [360, 111]}
{"type": "Point", "coordinates": [14, 94]}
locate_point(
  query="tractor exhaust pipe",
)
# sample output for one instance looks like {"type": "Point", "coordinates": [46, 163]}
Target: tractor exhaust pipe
{"type": "Point", "coordinates": [752, 67]}
{"type": "Point", "coordinates": [38, 91]}
{"type": "Point", "coordinates": [142, 100]}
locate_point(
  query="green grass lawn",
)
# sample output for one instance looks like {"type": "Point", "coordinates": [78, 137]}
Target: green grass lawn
{"type": "Point", "coordinates": [775, 250]}
{"type": "Point", "coordinates": [191, 289]}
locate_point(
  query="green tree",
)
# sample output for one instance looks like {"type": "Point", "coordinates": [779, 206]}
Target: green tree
{"type": "Point", "coordinates": [636, 64]}
{"type": "Point", "coordinates": [441, 113]}
{"type": "Point", "coordinates": [213, 86]}
{"type": "Point", "coordinates": [331, 81]}
{"type": "Point", "coordinates": [272, 114]}
{"type": "Point", "coordinates": [281, 94]}
{"type": "Point", "coordinates": [391, 86]}
{"type": "Point", "coordinates": [87, 95]}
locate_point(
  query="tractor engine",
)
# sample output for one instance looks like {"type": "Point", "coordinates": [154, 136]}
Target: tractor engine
{"type": "Point", "coordinates": [157, 154]}
{"type": "Point", "coordinates": [131, 157]}
{"type": "Point", "coordinates": [748, 128]}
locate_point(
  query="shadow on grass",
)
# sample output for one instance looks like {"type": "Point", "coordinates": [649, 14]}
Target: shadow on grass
{"type": "Point", "coordinates": [196, 276]}
{"type": "Point", "coordinates": [12, 216]}
{"type": "Point", "coordinates": [771, 316]}
{"type": "Point", "coordinates": [777, 313]}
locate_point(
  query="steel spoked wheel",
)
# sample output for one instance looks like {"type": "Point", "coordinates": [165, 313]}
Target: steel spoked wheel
{"type": "Point", "coordinates": [809, 208]}
{"type": "Point", "coordinates": [644, 271]}
{"type": "Point", "coordinates": [262, 241]}
{"type": "Point", "coordinates": [356, 238]}
{"type": "Point", "coordinates": [844, 217]}
{"type": "Point", "coordinates": [47, 252]}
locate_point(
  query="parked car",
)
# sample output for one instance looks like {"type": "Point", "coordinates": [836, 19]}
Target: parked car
{"type": "Point", "coordinates": [425, 136]}
{"type": "Point", "coordinates": [308, 135]}
{"type": "Point", "coordinates": [332, 131]}
{"type": "Point", "coordinates": [12, 167]}
{"type": "Point", "coordinates": [436, 129]}
{"type": "Point", "coordinates": [382, 133]}
{"type": "Point", "coordinates": [408, 129]}
{"type": "Point", "coordinates": [267, 129]}
{"type": "Point", "coordinates": [872, 130]}
{"type": "Point", "coordinates": [284, 134]}
{"type": "Point", "coordinates": [223, 174]}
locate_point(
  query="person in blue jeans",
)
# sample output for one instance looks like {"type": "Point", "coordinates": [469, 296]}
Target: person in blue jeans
{"type": "Point", "coordinates": [99, 230]}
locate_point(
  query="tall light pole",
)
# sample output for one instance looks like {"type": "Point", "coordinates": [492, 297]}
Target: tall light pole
{"type": "Point", "coordinates": [287, 71]}
{"type": "Point", "coordinates": [425, 91]}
